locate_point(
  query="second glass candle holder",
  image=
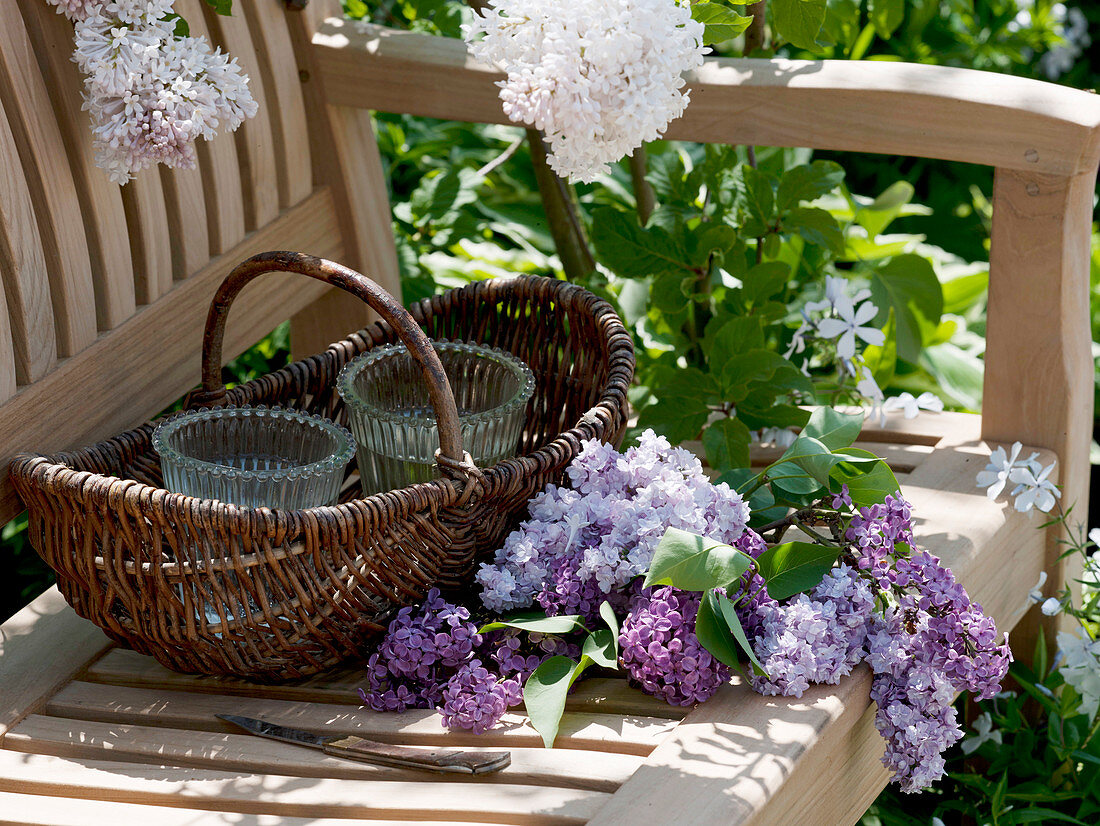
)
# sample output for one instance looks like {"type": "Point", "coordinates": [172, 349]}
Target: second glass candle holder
{"type": "Point", "coordinates": [390, 414]}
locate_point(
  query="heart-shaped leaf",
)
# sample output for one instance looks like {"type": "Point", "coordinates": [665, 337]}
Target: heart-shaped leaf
{"type": "Point", "coordinates": [694, 563]}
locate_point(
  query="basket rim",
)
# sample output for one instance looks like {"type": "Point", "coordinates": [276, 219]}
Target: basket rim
{"type": "Point", "coordinates": [95, 486]}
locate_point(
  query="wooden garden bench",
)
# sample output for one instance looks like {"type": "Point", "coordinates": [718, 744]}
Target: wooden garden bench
{"type": "Point", "coordinates": [105, 290]}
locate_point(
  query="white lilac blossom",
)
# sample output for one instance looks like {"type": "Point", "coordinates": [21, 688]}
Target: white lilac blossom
{"type": "Point", "coordinates": [983, 733]}
{"type": "Point", "coordinates": [1080, 667]}
{"type": "Point", "coordinates": [1034, 489]}
{"type": "Point", "coordinates": [582, 545]}
{"type": "Point", "coordinates": [151, 94]}
{"type": "Point", "coordinates": [598, 79]}
{"type": "Point", "coordinates": [911, 405]}
{"type": "Point", "coordinates": [1052, 607]}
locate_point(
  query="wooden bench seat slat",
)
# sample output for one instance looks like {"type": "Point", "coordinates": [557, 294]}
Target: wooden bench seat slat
{"type": "Point", "coordinates": [257, 176]}
{"type": "Point", "coordinates": [123, 667]}
{"type": "Point", "coordinates": [178, 709]}
{"type": "Point", "coordinates": [294, 796]}
{"type": "Point", "coordinates": [63, 737]}
{"type": "Point", "coordinates": [48, 810]}
{"type": "Point", "coordinates": [100, 199]}
{"type": "Point", "coordinates": [28, 344]}
{"type": "Point", "coordinates": [57, 210]}
{"type": "Point", "coordinates": [285, 104]}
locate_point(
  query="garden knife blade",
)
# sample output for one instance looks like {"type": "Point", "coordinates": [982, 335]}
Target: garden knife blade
{"type": "Point", "coordinates": [369, 751]}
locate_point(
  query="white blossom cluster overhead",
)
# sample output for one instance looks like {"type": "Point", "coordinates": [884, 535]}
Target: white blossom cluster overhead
{"type": "Point", "coordinates": [598, 78]}
{"type": "Point", "coordinates": [151, 94]}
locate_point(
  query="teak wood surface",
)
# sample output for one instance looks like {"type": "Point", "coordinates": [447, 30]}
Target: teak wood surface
{"type": "Point", "coordinates": [104, 296]}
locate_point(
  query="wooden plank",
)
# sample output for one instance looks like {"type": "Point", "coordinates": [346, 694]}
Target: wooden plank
{"type": "Point", "coordinates": [285, 104]}
{"type": "Point", "coordinates": [188, 227]}
{"type": "Point", "coordinates": [1038, 359]}
{"type": "Point", "coordinates": [346, 157]}
{"type": "Point", "coordinates": [593, 770]}
{"type": "Point", "coordinates": [47, 810]}
{"type": "Point", "coordinates": [892, 108]}
{"type": "Point", "coordinates": [28, 345]}
{"type": "Point", "coordinates": [30, 115]}
{"type": "Point", "coordinates": [177, 709]}
{"type": "Point", "coordinates": [255, 149]}
{"type": "Point", "coordinates": [155, 355]}
{"type": "Point", "coordinates": [293, 796]}
{"type": "Point", "coordinates": [41, 648]}
{"type": "Point", "coordinates": [100, 199]}
{"type": "Point", "coordinates": [123, 667]}
{"type": "Point", "coordinates": [220, 163]}
{"type": "Point", "coordinates": [741, 758]}
{"type": "Point", "coordinates": [150, 240]}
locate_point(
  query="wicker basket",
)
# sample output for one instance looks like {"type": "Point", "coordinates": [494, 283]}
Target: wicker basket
{"type": "Point", "coordinates": [274, 595]}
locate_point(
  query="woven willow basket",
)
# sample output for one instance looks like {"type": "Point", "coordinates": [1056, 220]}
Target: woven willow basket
{"type": "Point", "coordinates": [274, 595]}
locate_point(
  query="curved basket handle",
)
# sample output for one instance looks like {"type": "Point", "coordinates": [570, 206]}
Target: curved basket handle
{"type": "Point", "coordinates": [439, 389]}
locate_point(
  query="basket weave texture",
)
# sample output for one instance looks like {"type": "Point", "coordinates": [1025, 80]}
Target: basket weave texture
{"type": "Point", "coordinates": [295, 592]}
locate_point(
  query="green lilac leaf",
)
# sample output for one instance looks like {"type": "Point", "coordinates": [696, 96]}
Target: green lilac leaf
{"type": "Point", "coordinates": [807, 182]}
{"type": "Point", "coordinates": [869, 479]}
{"type": "Point", "coordinates": [223, 7]}
{"type": "Point", "coordinates": [893, 202]}
{"type": "Point", "coordinates": [733, 622]}
{"type": "Point", "coordinates": [799, 21]}
{"type": "Point", "coordinates": [816, 226]}
{"type": "Point", "coordinates": [602, 647]}
{"type": "Point", "coordinates": [765, 281]}
{"type": "Point", "coordinates": [720, 23]}
{"type": "Point", "coordinates": [694, 563]}
{"type": "Point", "coordinates": [962, 293]}
{"type": "Point", "coordinates": [741, 372]}
{"type": "Point", "coordinates": [833, 428]}
{"type": "Point", "coordinates": [544, 694]}
{"type": "Point", "coordinates": [713, 632]}
{"type": "Point", "coordinates": [607, 613]}
{"type": "Point", "coordinates": [540, 623]}
{"type": "Point", "coordinates": [886, 16]}
{"type": "Point", "coordinates": [812, 456]}
{"type": "Point", "coordinates": [795, 567]}
{"type": "Point", "coordinates": [726, 443]}
{"type": "Point", "coordinates": [634, 251]}
{"type": "Point", "coordinates": [908, 284]}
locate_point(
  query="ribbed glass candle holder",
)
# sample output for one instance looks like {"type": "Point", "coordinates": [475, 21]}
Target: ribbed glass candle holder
{"type": "Point", "coordinates": [254, 456]}
{"type": "Point", "coordinates": [394, 423]}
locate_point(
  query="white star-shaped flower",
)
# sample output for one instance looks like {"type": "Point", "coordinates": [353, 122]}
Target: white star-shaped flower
{"type": "Point", "coordinates": [911, 405]}
{"type": "Point", "coordinates": [995, 475]}
{"type": "Point", "coordinates": [850, 324]}
{"type": "Point", "coordinates": [983, 733]}
{"type": "Point", "coordinates": [1033, 490]}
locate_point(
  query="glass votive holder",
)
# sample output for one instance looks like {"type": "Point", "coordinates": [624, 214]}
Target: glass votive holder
{"type": "Point", "coordinates": [255, 457]}
{"type": "Point", "coordinates": [395, 426]}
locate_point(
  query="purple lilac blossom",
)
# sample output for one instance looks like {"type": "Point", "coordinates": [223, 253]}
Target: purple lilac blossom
{"type": "Point", "coordinates": [475, 699]}
{"type": "Point", "coordinates": [517, 653]}
{"type": "Point", "coordinates": [660, 651]}
{"type": "Point", "coordinates": [597, 536]}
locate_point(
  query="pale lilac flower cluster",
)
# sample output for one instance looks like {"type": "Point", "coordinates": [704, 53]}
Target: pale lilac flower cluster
{"type": "Point", "coordinates": [598, 79]}
{"type": "Point", "coordinates": [1033, 488]}
{"type": "Point", "coordinates": [814, 638]}
{"type": "Point", "coordinates": [660, 651]}
{"type": "Point", "coordinates": [475, 699]}
{"type": "Point", "coordinates": [151, 94]}
{"type": "Point", "coordinates": [583, 544]}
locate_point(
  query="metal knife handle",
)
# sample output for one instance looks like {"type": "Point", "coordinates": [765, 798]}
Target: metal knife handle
{"type": "Point", "coordinates": [439, 760]}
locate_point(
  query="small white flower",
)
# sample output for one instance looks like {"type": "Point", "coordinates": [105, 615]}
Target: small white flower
{"type": "Point", "coordinates": [1036, 594]}
{"type": "Point", "coordinates": [1052, 607]}
{"type": "Point", "coordinates": [1094, 536]}
{"type": "Point", "coordinates": [1081, 667]}
{"type": "Point", "coordinates": [936, 822]}
{"type": "Point", "coordinates": [910, 405]}
{"type": "Point", "coordinates": [851, 324]}
{"type": "Point", "coordinates": [984, 733]}
{"type": "Point", "coordinates": [1033, 491]}
{"type": "Point", "coordinates": [995, 475]}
